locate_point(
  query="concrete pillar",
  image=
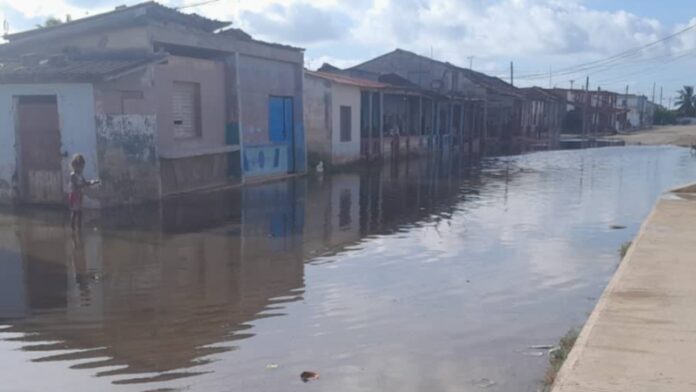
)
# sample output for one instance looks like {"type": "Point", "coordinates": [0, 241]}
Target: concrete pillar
{"type": "Point", "coordinates": [370, 124]}
{"type": "Point", "coordinates": [381, 123]}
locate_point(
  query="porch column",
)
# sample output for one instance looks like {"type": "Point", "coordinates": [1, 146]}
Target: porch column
{"type": "Point", "coordinates": [370, 124]}
{"type": "Point", "coordinates": [381, 123]}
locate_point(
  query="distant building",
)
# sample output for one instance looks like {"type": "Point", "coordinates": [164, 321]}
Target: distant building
{"type": "Point", "coordinates": [542, 119]}
{"type": "Point", "coordinates": [160, 103]}
{"type": "Point", "coordinates": [590, 112]}
{"type": "Point", "coordinates": [640, 112]}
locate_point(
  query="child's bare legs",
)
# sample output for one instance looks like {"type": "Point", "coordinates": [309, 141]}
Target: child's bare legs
{"type": "Point", "coordinates": [76, 220]}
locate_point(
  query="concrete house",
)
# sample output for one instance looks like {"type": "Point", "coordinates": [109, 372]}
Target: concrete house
{"type": "Point", "coordinates": [160, 102]}
{"type": "Point", "coordinates": [590, 112]}
{"type": "Point", "coordinates": [640, 112]}
{"type": "Point", "coordinates": [501, 103]}
{"type": "Point", "coordinates": [332, 105]}
{"type": "Point", "coordinates": [542, 119]}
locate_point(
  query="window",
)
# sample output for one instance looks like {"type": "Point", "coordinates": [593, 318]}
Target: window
{"type": "Point", "coordinates": [346, 123]}
{"type": "Point", "coordinates": [186, 110]}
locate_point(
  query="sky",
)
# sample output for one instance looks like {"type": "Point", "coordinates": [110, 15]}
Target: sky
{"type": "Point", "coordinates": [547, 40]}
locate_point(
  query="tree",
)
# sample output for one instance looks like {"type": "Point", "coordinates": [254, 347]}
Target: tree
{"type": "Point", "coordinates": [50, 22]}
{"type": "Point", "coordinates": [686, 102]}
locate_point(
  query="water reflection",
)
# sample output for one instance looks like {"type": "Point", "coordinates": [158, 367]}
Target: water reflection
{"type": "Point", "coordinates": [160, 290]}
{"type": "Point", "coordinates": [418, 276]}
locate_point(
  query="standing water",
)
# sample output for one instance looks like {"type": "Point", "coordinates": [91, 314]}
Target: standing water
{"type": "Point", "coordinates": [424, 276]}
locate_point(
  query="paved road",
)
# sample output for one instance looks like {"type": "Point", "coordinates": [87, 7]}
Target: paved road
{"type": "Point", "coordinates": [641, 337]}
{"type": "Point", "coordinates": [679, 135]}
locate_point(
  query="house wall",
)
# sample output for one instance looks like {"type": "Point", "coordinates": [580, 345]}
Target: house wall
{"type": "Point", "coordinates": [259, 80]}
{"type": "Point", "coordinates": [127, 141]}
{"type": "Point", "coordinates": [76, 112]}
{"type": "Point", "coordinates": [201, 161]}
{"type": "Point", "coordinates": [318, 118]}
{"type": "Point", "coordinates": [349, 151]}
{"type": "Point", "coordinates": [210, 75]}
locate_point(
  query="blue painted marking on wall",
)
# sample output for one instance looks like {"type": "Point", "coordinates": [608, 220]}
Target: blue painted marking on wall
{"type": "Point", "coordinates": [261, 160]}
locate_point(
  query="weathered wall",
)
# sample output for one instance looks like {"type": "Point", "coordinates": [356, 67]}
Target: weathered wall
{"type": "Point", "coordinates": [318, 121]}
{"type": "Point", "coordinates": [128, 161]}
{"type": "Point", "coordinates": [198, 162]}
{"type": "Point", "coordinates": [259, 80]}
{"type": "Point", "coordinates": [211, 77]}
{"type": "Point", "coordinates": [349, 151]}
{"type": "Point", "coordinates": [76, 122]}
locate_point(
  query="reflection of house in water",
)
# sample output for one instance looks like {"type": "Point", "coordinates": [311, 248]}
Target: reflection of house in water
{"type": "Point", "coordinates": [333, 214]}
{"type": "Point", "coordinates": [149, 302]}
{"type": "Point", "coordinates": [156, 301]}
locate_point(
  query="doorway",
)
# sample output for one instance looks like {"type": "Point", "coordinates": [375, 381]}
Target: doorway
{"type": "Point", "coordinates": [38, 136]}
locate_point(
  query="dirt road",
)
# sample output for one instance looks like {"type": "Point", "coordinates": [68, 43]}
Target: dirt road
{"type": "Point", "coordinates": [680, 135]}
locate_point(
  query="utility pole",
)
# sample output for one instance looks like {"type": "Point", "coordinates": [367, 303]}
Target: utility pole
{"type": "Point", "coordinates": [660, 95]}
{"type": "Point", "coordinates": [512, 73]}
{"type": "Point", "coordinates": [550, 77]}
{"type": "Point", "coordinates": [471, 61]}
{"type": "Point", "coordinates": [653, 94]}
{"type": "Point", "coordinates": [625, 105]}
{"type": "Point", "coordinates": [586, 103]}
{"type": "Point", "coordinates": [571, 84]}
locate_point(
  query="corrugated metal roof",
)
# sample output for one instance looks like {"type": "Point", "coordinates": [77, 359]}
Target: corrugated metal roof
{"type": "Point", "coordinates": [347, 80]}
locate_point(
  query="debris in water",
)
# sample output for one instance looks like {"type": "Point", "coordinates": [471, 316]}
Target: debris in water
{"type": "Point", "coordinates": [542, 347]}
{"type": "Point", "coordinates": [484, 383]}
{"type": "Point", "coordinates": [272, 366]}
{"type": "Point", "coordinates": [309, 376]}
{"type": "Point", "coordinates": [617, 227]}
{"type": "Point", "coordinates": [533, 353]}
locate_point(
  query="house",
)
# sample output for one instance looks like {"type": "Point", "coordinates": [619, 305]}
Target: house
{"type": "Point", "coordinates": [542, 119]}
{"type": "Point", "coordinates": [332, 110]}
{"type": "Point", "coordinates": [399, 118]}
{"type": "Point", "coordinates": [590, 112]}
{"type": "Point", "coordinates": [497, 103]}
{"type": "Point", "coordinates": [160, 103]}
{"type": "Point", "coordinates": [639, 111]}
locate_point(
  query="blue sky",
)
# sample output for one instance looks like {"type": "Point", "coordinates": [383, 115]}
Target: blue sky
{"type": "Point", "coordinates": [542, 37]}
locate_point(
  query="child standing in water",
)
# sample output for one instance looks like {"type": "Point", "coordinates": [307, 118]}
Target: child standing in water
{"type": "Point", "coordinates": [77, 183]}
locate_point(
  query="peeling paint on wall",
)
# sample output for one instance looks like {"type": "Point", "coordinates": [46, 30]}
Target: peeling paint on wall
{"type": "Point", "coordinates": [128, 158]}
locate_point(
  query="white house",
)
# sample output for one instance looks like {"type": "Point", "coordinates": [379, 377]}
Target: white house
{"type": "Point", "coordinates": [332, 109]}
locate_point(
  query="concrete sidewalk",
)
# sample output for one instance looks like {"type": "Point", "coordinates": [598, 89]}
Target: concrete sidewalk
{"type": "Point", "coordinates": [641, 336]}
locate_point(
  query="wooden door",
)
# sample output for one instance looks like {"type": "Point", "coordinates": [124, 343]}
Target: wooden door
{"type": "Point", "coordinates": [39, 140]}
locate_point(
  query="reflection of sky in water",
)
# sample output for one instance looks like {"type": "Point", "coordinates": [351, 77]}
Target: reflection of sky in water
{"type": "Point", "coordinates": [419, 282]}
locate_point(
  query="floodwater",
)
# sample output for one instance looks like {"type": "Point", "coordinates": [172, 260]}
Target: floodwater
{"type": "Point", "coordinates": [422, 276]}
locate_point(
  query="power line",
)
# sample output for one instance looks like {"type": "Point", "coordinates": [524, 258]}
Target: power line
{"type": "Point", "coordinates": [602, 62]}
{"type": "Point", "coordinates": [196, 4]}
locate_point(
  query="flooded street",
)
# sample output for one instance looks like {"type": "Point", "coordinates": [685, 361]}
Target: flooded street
{"type": "Point", "coordinates": [424, 276]}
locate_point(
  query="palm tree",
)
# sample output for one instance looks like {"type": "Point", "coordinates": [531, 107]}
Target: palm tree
{"type": "Point", "coordinates": [686, 101]}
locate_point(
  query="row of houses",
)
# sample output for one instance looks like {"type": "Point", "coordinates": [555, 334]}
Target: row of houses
{"type": "Point", "coordinates": [162, 103]}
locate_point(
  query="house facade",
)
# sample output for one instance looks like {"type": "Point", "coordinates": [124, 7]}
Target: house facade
{"type": "Point", "coordinates": [590, 112]}
{"type": "Point", "coordinates": [542, 119]}
{"type": "Point", "coordinates": [427, 106]}
{"type": "Point", "coordinates": [332, 105]}
{"type": "Point", "coordinates": [159, 102]}
{"type": "Point", "coordinates": [639, 111]}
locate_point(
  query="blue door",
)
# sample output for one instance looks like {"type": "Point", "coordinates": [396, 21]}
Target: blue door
{"type": "Point", "coordinates": [280, 126]}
